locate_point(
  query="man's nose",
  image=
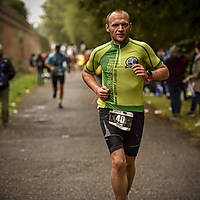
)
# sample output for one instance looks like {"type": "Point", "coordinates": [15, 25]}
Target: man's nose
{"type": "Point", "coordinates": [121, 28]}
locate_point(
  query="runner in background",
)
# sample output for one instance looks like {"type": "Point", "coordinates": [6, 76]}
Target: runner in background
{"type": "Point", "coordinates": [56, 62]}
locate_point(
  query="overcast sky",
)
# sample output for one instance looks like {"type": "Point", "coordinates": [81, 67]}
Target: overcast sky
{"type": "Point", "coordinates": [34, 10]}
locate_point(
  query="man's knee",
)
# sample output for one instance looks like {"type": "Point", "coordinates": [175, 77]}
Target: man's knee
{"type": "Point", "coordinates": [119, 164]}
{"type": "Point", "coordinates": [118, 161]}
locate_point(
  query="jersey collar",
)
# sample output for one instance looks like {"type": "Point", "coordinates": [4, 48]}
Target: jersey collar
{"type": "Point", "coordinates": [121, 46]}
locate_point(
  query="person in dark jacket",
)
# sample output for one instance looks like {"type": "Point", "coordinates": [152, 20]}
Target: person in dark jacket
{"type": "Point", "coordinates": [177, 65]}
{"type": "Point", "coordinates": [7, 72]}
{"type": "Point", "coordinates": [40, 68]}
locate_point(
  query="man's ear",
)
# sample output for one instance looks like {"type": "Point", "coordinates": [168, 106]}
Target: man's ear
{"type": "Point", "coordinates": [131, 26]}
{"type": "Point", "coordinates": [107, 28]}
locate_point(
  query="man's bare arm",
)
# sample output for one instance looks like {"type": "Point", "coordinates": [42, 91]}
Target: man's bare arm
{"type": "Point", "coordinates": [162, 73]}
{"type": "Point", "coordinates": [159, 74]}
{"type": "Point", "coordinates": [49, 66]}
{"type": "Point", "coordinates": [102, 92]}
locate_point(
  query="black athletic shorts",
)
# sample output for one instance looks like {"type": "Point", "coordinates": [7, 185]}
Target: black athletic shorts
{"type": "Point", "coordinates": [117, 138]}
{"type": "Point", "coordinates": [56, 78]}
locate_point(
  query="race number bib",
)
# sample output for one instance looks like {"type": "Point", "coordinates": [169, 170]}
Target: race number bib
{"type": "Point", "coordinates": [121, 119]}
{"type": "Point", "coordinates": [60, 73]}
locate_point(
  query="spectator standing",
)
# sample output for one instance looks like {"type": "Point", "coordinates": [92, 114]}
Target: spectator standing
{"type": "Point", "coordinates": [195, 77]}
{"type": "Point", "coordinates": [44, 60]}
{"type": "Point", "coordinates": [32, 60]}
{"type": "Point", "coordinates": [7, 72]}
{"type": "Point", "coordinates": [191, 113]}
{"type": "Point", "coordinates": [177, 65]}
{"type": "Point", "coordinates": [40, 68]}
{"type": "Point", "coordinates": [162, 86]}
{"type": "Point", "coordinates": [80, 60]}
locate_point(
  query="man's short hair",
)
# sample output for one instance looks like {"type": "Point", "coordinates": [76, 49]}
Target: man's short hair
{"type": "Point", "coordinates": [58, 46]}
{"type": "Point", "coordinates": [117, 11]}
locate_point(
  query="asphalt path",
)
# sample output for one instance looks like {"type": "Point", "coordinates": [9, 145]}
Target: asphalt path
{"type": "Point", "coordinates": [48, 153]}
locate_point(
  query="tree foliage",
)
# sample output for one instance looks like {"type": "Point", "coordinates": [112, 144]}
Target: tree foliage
{"type": "Point", "coordinates": [53, 23]}
{"type": "Point", "coordinates": [160, 23]}
{"type": "Point", "coordinates": [18, 5]}
{"type": "Point", "coordinates": [65, 22]}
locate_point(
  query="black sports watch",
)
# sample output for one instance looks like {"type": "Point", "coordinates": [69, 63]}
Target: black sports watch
{"type": "Point", "coordinates": [149, 73]}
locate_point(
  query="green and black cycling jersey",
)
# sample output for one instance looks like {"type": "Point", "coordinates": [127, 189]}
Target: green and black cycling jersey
{"type": "Point", "coordinates": [125, 89]}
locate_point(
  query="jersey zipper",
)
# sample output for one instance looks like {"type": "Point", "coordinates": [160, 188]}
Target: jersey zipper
{"type": "Point", "coordinates": [119, 56]}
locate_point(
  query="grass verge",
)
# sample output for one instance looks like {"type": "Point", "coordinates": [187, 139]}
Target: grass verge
{"type": "Point", "coordinates": [21, 85]}
{"type": "Point", "coordinates": [162, 103]}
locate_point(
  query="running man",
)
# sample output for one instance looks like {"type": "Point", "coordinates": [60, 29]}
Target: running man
{"type": "Point", "coordinates": [55, 62]}
{"type": "Point", "coordinates": [126, 64]}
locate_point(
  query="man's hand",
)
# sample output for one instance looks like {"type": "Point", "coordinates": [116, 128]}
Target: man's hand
{"type": "Point", "coordinates": [52, 69]}
{"type": "Point", "coordinates": [102, 92]}
{"type": "Point", "coordinates": [139, 71]}
{"type": "Point", "coordinates": [186, 79]}
{"type": "Point", "coordinates": [50, 66]}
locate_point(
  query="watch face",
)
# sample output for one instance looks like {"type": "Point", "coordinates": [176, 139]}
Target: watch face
{"type": "Point", "coordinates": [149, 73]}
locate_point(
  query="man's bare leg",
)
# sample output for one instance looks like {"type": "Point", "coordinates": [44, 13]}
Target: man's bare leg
{"type": "Point", "coordinates": [60, 96]}
{"type": "Point", "coordinates": [61, 91]}
{"type": "Point", "coordinates": [130, 170]}
{"type": "Point", "coordinates": [119, 178]}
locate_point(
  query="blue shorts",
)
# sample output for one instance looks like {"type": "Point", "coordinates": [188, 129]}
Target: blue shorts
{"type": "Point", "coordinates": [117, 138]}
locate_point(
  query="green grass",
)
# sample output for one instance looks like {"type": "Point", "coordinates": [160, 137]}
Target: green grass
{"type": "Point", "coordinates": [163, 103]}
{"type": "Point", "coordinates": [21, 85]}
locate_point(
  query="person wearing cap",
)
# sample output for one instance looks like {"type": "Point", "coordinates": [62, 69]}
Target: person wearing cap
{"type": "Point", "coordinates": [55, 62]}
{"type": "Point", "coordinates": [7, 72]}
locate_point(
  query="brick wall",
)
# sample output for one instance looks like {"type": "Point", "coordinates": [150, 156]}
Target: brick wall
{"type": "Point", "coordinates": [18, 37]}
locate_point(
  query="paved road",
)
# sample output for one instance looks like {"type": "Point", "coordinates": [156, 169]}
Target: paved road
{"type": "Point", "coordinates": [49, 154]}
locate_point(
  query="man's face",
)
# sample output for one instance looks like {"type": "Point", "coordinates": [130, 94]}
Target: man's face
{"type": "Point", "coordinates": [197, 51]}
{"type": "Point", "coordinates": [57, 49]}
{"type": "Point", "coordinates": [118, 27]}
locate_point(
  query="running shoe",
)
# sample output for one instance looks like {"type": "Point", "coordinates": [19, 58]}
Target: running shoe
{"type": "Point", "coordinates": [60, 106]}
{"type": "Point", "coordinates": [190, 114]}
